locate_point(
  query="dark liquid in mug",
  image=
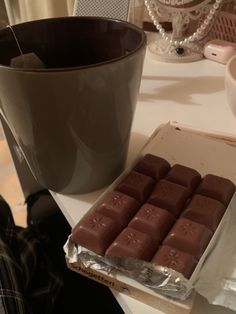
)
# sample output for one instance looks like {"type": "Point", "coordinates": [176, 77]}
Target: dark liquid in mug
{"type": "Point", "coordinates": [65, 48]}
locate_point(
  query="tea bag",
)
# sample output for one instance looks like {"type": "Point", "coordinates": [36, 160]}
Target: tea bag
{"type": "Point", "coordinates": [25, 60]}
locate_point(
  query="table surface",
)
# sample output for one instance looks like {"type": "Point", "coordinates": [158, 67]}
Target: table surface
{"type": "Point", "coordinates": [189, 93]}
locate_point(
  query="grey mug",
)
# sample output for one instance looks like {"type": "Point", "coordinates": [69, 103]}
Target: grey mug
{"type": "Point", "coordinates": [71, 115]}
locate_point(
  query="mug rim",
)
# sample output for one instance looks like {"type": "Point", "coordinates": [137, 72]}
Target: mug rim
{"type": "Point", "coordinates": [229, 74]}
{"type": "Point", "coordinates": [129, 25]}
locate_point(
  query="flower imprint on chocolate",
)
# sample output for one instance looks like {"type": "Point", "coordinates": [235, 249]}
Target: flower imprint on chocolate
{"type": "Point", "coordinates": [97, 223]}
{"type": "Point", "coordinates": [131, 238]}
{"type": "Point", "coordinates": [188, 229]}
{"type": "Point", "coordinates": [172, 258]}
{"type": "Point", "coordinates": [150, 213]}
{"type": "Point", "coordinates": [117, 200]}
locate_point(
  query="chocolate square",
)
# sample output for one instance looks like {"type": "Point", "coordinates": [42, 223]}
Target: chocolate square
{"type": "Point", "coordinates": [216, 187]}
{"type": "Point", "coordinates": [204, 210]}
{"type": "Point", "coordinates": [95, 232]}
{"type": "Point", "coordinates": [153, 166]}
{"type": "Point", "coordinates": [136, 185]}
{"type": "Point", "coordinates": [188, 236]}
{"type": "Point", "coordinates": [175, 259]}
{"type": "Point", "coordinates": [150, 210]}
{"type": "Point", "coordinates": [184, 176]}
{"type": "Point", "coordinates": [170, 196]}
{"type": "Point", "coordinates": [118, 206]}
{"type": "Point", "coordinates": [133, 243]}
{"type": "Point", "coordinates": [152, 220]}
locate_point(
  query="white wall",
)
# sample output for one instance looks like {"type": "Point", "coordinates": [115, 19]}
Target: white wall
{"type": "Point", "coordinates": [25, 10]}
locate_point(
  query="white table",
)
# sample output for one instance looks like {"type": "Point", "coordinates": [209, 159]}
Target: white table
{"type": "Point", "coordinates": [191, 93]}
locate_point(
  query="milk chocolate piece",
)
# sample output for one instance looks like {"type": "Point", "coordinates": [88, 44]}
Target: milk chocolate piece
{"type": "Point", "coordinates": [188, 236]}
{"type": "Point", "coordinates": [216, 187]}
{"type": "Point", "coordinates": [175, 259]}
{"type": "Point", "coordinates": [136, 185]}
{"type": "Point", "coordinates": [150, 210]}
{"type": "Point", "coordinates": [95, 232]}
{"type": "Point", "coordinates": [153, 166]}
{"type": "Point", "coordinates": [119, 207]}
{"type": "Point", "coordinates": [133, 243]}
{"type": "Point", "coordinates": [184, 176]}
{"type": "Point", "coordinates": [152, 220]}
{"type": "Point", "coordinates": [170, 196]}
{"type": "Point", "coordinates": [204, 210]}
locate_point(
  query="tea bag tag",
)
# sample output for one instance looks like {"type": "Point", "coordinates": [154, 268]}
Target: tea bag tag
{"type": "Point", "coordinates": [27, 60]}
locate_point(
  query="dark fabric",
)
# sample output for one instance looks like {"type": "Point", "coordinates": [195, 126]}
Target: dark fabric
{"type": "Point", "coordinates": [29, 282]}
{"type": "Point", "coordinates": [79, 294]}
{"type": "Point", "coordinates": [34, 278]}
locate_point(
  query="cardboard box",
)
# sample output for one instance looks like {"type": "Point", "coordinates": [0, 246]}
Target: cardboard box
{"type": "Point", "coordinates": [207, 153]}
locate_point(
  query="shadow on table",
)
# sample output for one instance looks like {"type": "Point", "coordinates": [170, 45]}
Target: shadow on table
{"type": "Point", "coordinates": [182, 89]}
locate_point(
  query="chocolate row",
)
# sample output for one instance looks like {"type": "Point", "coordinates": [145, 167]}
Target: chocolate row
{"type": "Point", "coordinates": [157, 213]}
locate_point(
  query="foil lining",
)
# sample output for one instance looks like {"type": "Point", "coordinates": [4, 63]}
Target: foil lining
{"type": "Point", "coordinates": [160, 279]}
{"type": "Point", "coordinates": [214, 278]}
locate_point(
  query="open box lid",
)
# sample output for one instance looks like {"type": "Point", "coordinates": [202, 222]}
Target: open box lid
{"type": "Point", "coordinates": [207, 152]}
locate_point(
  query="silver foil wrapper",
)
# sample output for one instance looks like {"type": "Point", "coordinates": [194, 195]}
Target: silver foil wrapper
{"type": "Point", "coordinates": [160, 279]}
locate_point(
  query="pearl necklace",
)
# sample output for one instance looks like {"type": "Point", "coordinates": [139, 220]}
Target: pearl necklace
{"type": "Point", "coordinates": [198, 34]}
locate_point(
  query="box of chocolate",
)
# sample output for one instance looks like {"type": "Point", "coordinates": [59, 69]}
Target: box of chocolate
{"type": "Point", "coordinates": [153, 231]}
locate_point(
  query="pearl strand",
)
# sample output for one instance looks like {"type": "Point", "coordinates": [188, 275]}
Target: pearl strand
{"type": "Point", "coordinates": [195, 36]}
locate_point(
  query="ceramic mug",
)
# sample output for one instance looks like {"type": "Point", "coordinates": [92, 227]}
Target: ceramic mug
{"type": "Point", "coordinates": [72, 117]}
{"type": "Point", "coordinates": [230, 83]}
